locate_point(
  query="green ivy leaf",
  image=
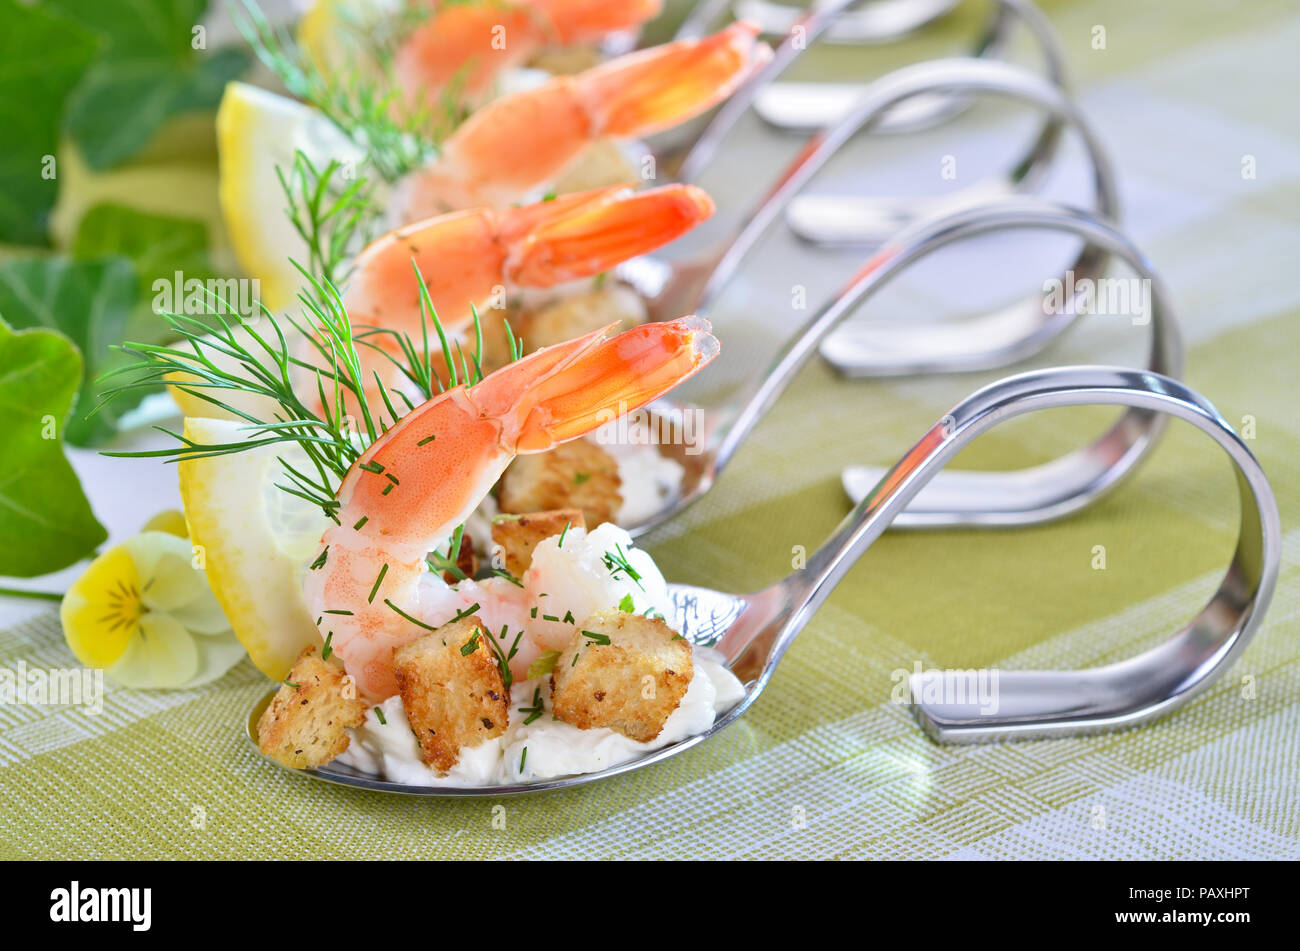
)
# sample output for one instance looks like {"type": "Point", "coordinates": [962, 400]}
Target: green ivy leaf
{"type": "Point", "coordinates": [45, 521]}
{"type": "Point", "coordinates": [42, 57]}
{"type": "Point", "coordinates": [87, 301]}
{"type": "Point", "coordinates": [159, 245]}
{"type": "Point", "coordinates": [148, 73]}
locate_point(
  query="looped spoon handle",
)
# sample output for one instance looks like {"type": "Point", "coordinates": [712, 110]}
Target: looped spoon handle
{"type": "Point", "coordinates": [953, 75]}
{"type": "Point", "coordinates": [1021, 497]}
{"type": "Point", "coordinates": [1034, 704]}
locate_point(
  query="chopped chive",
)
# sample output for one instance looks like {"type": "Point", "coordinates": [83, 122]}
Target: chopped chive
{"type": "Point", "coordinates": [550, 617]}
{"type": "Point", "coordinates": [426, 440]}
{"type": "Point", "coordinates": [327, 649]}
{"type": "Point", "coordinates": [596, 638]}
{"type": "Point", "coordinates": [508, 576]}
{"type": "Point", "coordinates": [320, 559]}
{"type": "Point", "coordinates": [388, 488]}
{"type": "Point", "coordinates": [371, 466]}
{"type": "Point", "coordinates": [383, 721]}
{"type": "Point", "coordinates": [470, 646]}
{"type": "Point", "coordinates": [288, 683]}
{"type": "Point", "coordinates": [523, 758]}
{"type": "Point", "coordinates": [569, 618]}
{"type": "Point", "coordinates": [537, 709]}
{"type": "Point", "coordinates": [339, 611]}
{"type": "Point", "coordinates": [514, 647]}
{"type": "Point", "coordinates": [417, 621]}
{"type": "Point", "coordinates": [378, 581]}
{"type": "Point", "coordinates": [560, 543]}
{"type": "Point", "coordinates": [461, 615]}
{"type": "Point", "coordinates": [533, 612]}
{"type": "Point", "coordinates": [391, 478]}
{"type": "Point", "coordinates": [360, 522]}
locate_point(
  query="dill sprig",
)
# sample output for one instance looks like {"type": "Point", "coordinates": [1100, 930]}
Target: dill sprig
{"type": "Point", "coordinates": [367, 104]}
{"type": "Point", "coordinates": [334, 219]}
{"type": "Point", "coordinates": [212, 364]}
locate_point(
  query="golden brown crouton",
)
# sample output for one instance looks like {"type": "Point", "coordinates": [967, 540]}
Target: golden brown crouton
{"type": "Point", "coordinates": [304, 724]}
{"type": "Point", "coordinates": [518, 535]}
{"type": "Point", "coordinates": [577, 314]}
{"type": "Point", "coordinates": [452, 690]}
{"type": "Point", "coordinates": [622, 671]}
{"type": "Point", "coordinates": [577, 474]}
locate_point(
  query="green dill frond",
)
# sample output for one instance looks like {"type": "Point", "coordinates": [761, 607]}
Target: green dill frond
{"type": "Point", "coordinates": [212, 364]}
{"type": "Point", "coordinates": [366, 103]}
{"type": "Point", "coordinates": [334, 217]}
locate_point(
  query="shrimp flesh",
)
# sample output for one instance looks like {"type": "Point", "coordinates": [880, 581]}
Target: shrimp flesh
{"type": "Point", "coordinates": [471, 44]}
{"type": "Point", "coordinates": [516, 145]}
{"type": "Point", "coordinates": [468, 257]}
{"type": "Point", "coordinates": [404, 495]}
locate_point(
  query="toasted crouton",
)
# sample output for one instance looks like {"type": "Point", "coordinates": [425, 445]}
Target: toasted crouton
{"type": "Point", "coordinates": [621, 671]}
{"type": "Point", "coordinates": [518, 535]}
{"type": "Point", "coordinates": [577, 474]}
{"type": "Point", "coordinates": [452, 690]}
{"type": "Point", "coordinates": [304, 724]}
{"type": "Point", "coordinates": [577, 314]}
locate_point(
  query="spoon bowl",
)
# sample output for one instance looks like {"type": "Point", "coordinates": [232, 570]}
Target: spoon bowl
{"type": "Point", "coordinates": [753, 631]}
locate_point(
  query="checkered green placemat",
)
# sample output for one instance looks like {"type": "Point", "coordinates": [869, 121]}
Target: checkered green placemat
{"type": "Point", "coordinates": [824, 765]}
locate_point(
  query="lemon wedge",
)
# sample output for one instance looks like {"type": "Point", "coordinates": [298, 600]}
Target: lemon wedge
{"type": "Point", "coordinates": [333, 31]}
{"type": "Point", "coordinates": [257, 541]}
{"type": "Point", "coordinates": [258, 131]}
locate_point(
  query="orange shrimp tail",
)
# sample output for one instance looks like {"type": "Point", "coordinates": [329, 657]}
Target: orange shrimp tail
{"type": "Point", "coordinates": [581, 21]}
{"type": "Point", "coordinates": [591, 236]}
{"type": "Point", "coordinates": [564, 392]}
{"type": "Point", "coordinates": [655, 89]}
{"type": "Point", "coordinates": [473, 43]}
{"type": "Point", "coordinates": [464, 255]}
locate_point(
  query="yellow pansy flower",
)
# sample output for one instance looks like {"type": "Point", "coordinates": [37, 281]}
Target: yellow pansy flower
{"type": "Point", "coordinates": [144, 614]}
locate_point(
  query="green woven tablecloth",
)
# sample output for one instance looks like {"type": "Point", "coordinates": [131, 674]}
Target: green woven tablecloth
{"type": "Point", "coordinates": [825, 765]}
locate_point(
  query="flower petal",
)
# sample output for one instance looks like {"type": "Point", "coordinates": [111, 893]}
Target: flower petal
{"type": "Point", "coordinates": [162, 655]}
{"type": "Point", "coordinates": [169, 579]}
{"type": "Point", "coordinates": [217, 654]}
{"type": "Point", "coordinates": [203, 616]}
{"type": "Point", "coordinates": [100, 609]}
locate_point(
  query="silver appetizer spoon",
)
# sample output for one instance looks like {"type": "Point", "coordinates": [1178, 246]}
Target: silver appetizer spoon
{"type": "Point", "coordinates": [753, 631]}
{"type": "Point", "coordinates": [807, 107]}
{"type": "Point", "coordinates": [1018, 497]}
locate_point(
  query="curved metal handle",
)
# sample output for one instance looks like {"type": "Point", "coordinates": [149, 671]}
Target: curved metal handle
{"type": "Point", "coordinates": [1016, 498]}
{"type": "Point", "coordinates": [813, 23]}
{"type": "Point", "coordinates": [970, 76]}
{"type": "Point", "coordinates": [879, 21]}
{"type": "Point", "coordinates": [1054, 489]}
{"type": "Point", "coordinates": [1032, 704]}
{"type": "Point", "coordinates": [805, 107]}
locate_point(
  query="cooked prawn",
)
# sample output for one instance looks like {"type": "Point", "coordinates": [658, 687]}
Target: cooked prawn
{"type": "Point", "coordinates": [408, 491]}
{"type": "Point", "coordinates": [464, 257]}
{"type": "Point", "coordinates": [473, 43]}
{"type": "Point", "coordinates": [519, 143]}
